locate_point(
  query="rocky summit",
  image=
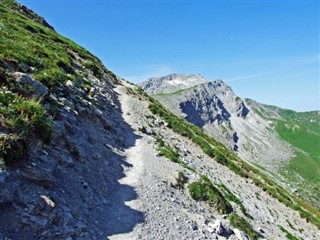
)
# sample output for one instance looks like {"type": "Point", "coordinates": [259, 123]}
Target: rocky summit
{"type": "Point", "coordinates": [85, 154]}
{"type": "Point", "coordinates": [172, 83]}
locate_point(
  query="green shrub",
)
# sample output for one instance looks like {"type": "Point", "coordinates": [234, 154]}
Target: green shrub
{"type": "Point", "coordinates": [12, 148]}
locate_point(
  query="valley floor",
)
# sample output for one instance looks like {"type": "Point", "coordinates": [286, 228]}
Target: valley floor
{"type": "Point", "coordinates": [170, 213]}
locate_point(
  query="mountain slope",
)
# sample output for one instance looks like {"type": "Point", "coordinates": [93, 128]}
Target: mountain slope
{"type": "Point", "coordinates": [251, 130]}
{"type": "Point", "coordinates": [214, 107]}
{"type": "Point", "coordinates": [62, 134]}
{"type": "Point", "coordinates": [188, 219]}
{"type": "Point", "coordinates": [302, 131]}
{"type": "Point", "coordinates": [86, 155]}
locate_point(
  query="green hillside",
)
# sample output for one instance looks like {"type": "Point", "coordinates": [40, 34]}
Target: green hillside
{"type": "Point", "coordinates": [302, 131]}
{"type": "Point", "coordinates": [29, 45]}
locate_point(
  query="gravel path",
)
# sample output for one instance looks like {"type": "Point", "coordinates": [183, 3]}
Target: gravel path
{"type": "Point", "coordinates": [170, 213]}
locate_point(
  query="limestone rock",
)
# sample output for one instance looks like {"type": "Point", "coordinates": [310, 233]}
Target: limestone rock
{"type": "Point", "coordinates": [28, 86]}
{"type": "Point", "coordinates": [240, 235]}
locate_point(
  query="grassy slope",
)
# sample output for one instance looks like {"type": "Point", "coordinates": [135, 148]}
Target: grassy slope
{"type": "Point", "coordinates": [302, 131]}
{"type": "Point", "coordinates": [24, 42]}
{"type": "Point", "coordinates": [30, 47]}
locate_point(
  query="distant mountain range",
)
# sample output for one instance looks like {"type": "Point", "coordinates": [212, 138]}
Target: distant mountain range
{"type": "Point", "coordinates": [285, 143]}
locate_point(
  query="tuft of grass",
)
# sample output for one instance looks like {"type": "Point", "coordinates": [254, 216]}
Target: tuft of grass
{"type": "Point", "coordinates": [242, 224]}
{"type": "Point", "coordinates": [203, 190]}
{"type": "Point", "coordinates": [22, 121]}
{"type": "Point", "coordinates": [231, 197]}
{"type": "Point", "coordinates": [181, 181]}
{"type": "Point", "coordinates": [168, 152]}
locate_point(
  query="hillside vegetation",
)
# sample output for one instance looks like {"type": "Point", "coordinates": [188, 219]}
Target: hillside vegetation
{"type": "Point", "coordinates": [32, 47]}
{"type": "Point", "coordinates": [302, 131]}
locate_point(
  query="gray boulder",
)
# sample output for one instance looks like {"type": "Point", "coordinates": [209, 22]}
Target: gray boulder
{"type": "Point", "coordinates": [28, 86]}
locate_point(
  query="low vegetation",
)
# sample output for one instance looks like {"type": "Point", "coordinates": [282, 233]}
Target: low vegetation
{"type": "Point", "coordinates": [30, 47]}
{"type": "Point", "coordinates": [33, 48]}
{"type": "Point", "coordinates": [22, 120]}
{"type": "Point", "coordinates": [180, 181]}
{"type": "Point", "coordinates": [231, 197]}
{"type": "Point", "coordinates": [168, 152]}
{"type": "Point", "coordinates": [240, 223]}
{"type": "Point", "coordinates": [203, 190]}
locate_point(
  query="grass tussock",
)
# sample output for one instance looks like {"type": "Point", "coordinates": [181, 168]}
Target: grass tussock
{"type": "Point", "coordinates": [21, 121]}
{"type": "Point", "coordinates": [203, 190]}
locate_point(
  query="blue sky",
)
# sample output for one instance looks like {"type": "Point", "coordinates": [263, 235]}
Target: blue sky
{"type": "Point", "coordinates": [265, 50]}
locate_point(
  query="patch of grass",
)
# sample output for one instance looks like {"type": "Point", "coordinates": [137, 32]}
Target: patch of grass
{"type": "Point", "coordinates": [168, 152]}
{"type": "Point", "coordinates": [289, 235]}
{"type": "Point", "coordinates": [25, 42]}
{"type": "Point", "coordinates": [22, 121]}
{"type": "Point", "coordinates": [242, 224]}
{"type": "Point", "coordinates": [203, 190]}
{"type": "Point", "coordinates": [290, 224]}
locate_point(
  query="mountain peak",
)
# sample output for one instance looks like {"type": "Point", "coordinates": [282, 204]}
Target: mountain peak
{"type": "Point", "coordinates": [172, 83]}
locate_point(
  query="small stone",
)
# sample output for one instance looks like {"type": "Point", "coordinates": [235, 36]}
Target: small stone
{"type": "Point", "coordinates": [48, 201]}
{"type": "Point", "coordinates": [240, 235]}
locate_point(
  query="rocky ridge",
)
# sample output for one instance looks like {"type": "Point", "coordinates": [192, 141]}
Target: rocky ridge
{"type": "Point", "coordinates": [172, 83]}
{"type": "Point", "coordinates": [214, 107]}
